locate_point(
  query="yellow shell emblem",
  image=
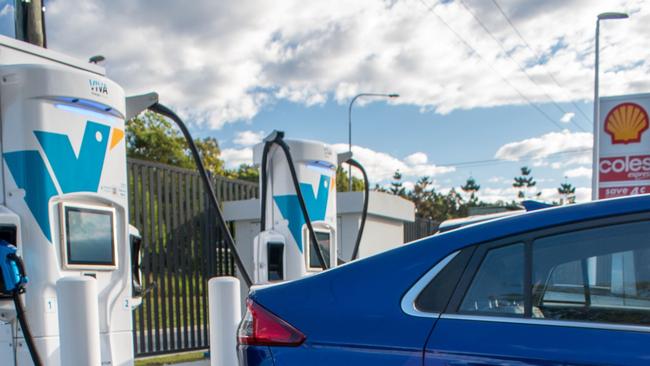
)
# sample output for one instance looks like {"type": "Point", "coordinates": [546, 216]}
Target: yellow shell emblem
{"type": "Point", "coordinates": [626, 122]}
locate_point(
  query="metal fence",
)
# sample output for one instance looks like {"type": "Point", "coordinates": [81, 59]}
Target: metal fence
{"type": "Point", "coordinates": [183, 249]}
{"type": "Point", "coordinates": [419, 229]}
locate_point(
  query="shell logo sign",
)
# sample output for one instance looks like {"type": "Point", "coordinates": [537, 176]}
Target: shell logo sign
{"type": "Point", "coordinates": [622, 164]}
{"type": "Point", "coordinates": [626, 122]}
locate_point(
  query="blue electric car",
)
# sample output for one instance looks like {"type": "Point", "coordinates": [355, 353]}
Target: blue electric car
{"type": "Point", "coordinates": [558, 286]}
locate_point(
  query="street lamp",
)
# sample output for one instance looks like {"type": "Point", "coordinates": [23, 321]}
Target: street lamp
{"type": "Point", "coordinates": [596, 147]}
{"type": "Point", "coordinates": [392, 95]}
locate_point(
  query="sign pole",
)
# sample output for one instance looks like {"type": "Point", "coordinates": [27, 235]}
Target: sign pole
{"type": "Point", "coordinates": [595, 149]}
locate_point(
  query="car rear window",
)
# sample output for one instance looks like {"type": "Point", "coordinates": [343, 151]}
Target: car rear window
{"type": "Point", "coordinates": [435, 296]}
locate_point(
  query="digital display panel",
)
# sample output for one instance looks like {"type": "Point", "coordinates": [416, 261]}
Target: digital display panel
{"type": "Point", "coordinates": [275, 261]}
{"type": "Point", "coordinates": [89, 236]}
{"type": "Point", "coordinates": [324, 244]}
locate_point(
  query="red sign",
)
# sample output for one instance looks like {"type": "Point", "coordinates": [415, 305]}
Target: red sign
{"type": "Point", "coordinates": [611, 192]}
{"type": "Point", "coordinates": [624, 168]}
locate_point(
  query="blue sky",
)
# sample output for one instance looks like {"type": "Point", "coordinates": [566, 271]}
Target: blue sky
{"type": "Point", "coordinates": [468, 137]}
{"type": "Point", "coordinates": [479, 80]}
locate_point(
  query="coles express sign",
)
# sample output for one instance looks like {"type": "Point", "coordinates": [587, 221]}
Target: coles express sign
{"type": "Point", "coordinates": [624, 152]}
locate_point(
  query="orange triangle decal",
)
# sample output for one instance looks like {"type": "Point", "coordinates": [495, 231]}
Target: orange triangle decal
{"type": "Point", "coordinates": [116, 137]}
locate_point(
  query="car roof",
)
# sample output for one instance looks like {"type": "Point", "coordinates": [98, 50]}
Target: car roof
{"type": "Point", "coordinates": [542, 218]}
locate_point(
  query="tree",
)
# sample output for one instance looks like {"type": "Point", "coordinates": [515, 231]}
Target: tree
{"type": "Point", "coordinates": [152, 137]}
{"type": "Point", "coordinates": [567, 193]}
{"type": "Point", "coordinates": [209, 149]}
{"type": "Point", "coordinates": [471, 188]}
{"type": "Point", "coordinates": [524, 182]}
{"type": "Point", "coordinates": [342, 181]}
{"type": "Point", "coordinates": [422, 196]}
{"type": "Point", "coordinates": [246, 172]}
{"type": "Point", "coordinates": [379, 188]}
{"type": "Point", "coordinates": [396, 186]}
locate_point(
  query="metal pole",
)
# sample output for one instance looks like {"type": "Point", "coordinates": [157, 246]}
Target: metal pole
{"type": "Point", "coordinates": [350, 139]}
{"type": "Point", "coordinates": [350, 125]}
{"type": "Point", "coordinates": [595, 149]}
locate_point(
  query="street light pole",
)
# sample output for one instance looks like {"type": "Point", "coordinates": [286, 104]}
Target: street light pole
{"type": "Point", "coordinates": [392, 95]}
{"type": "Point", "coordinates": [596, 147]}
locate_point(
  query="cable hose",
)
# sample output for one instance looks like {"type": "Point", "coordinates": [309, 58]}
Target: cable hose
{"type": "Point", "coordinates": [263, 167]}
{"type": "Point", "coordinates": [364, 213]}
{"type": "Point", "coordinates": [20, 313]}
{"type": "Point", "coordinates": [230, 242]}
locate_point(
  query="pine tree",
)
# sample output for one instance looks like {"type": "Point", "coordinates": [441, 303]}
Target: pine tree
{"type": "Point", "coordinates": [567, 193]}
{"type": "Point", "coordinates": [471, 189]}
{"type": "Point", "coordinates": [396, 186]}
{"type": "Point", "coordinates": [524, 182]}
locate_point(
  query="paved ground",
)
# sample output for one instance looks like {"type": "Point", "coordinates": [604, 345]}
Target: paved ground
{"type": "Point", "coordinates": [196, 363]}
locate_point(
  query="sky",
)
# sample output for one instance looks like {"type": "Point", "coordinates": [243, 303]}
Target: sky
{"type": "Point", "coordinates": [486, 86]}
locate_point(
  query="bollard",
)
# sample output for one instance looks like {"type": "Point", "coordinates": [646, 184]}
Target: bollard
{"type": "Point", "coordinates": [78, 321]}
{"type": "Point", "coordinates": [225, 314]}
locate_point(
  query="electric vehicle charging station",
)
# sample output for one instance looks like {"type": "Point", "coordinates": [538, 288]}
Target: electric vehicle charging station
{"type": "Point", "coordinates": [64, 197]}
{"type": "Point", "coordinates": [284, 249]}
{"type": "Point", "coordinates": [64, 208]}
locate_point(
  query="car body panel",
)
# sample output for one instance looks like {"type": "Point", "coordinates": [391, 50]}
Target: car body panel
{"type": "Point", "coordinates": [327, 355]}
{"type": "Point", "coordinates": [255, 355]}
{"type": "Point", "coordinates": [472, 342]}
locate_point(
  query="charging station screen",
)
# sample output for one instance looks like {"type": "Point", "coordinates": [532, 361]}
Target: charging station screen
{"type": "Point", "coordinates": [324, 244]}
{"type": "Point", "coordinates": [89, 236]}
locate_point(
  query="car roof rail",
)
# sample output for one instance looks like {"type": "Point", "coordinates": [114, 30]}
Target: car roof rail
{"type": "Point", "coordinates": [531, 205]}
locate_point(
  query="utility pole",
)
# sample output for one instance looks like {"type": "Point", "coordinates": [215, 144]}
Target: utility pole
{"type": "Point", "coordinates": [30, 22]}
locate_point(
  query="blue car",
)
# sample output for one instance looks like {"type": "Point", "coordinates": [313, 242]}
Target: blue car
{"type": "Point", "coordinates": [558, 286]}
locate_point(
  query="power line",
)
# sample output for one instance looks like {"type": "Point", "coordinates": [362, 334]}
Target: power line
{"type": "Point", "coordinates": [540, 110]}
{"type": "Point", "coordinates": [521, 68]}
{"type": "Point", "coordinates": [488, 162]}
{"type": "Point", "coordinates": [538, 57]}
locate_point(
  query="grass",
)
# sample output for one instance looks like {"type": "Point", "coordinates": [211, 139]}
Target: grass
{"type": "Point", "coordinates": [170, 359]}
{"type": "Point", "coordinates": [169, 319]}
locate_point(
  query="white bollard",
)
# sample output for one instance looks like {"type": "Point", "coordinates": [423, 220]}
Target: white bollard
{"type": "Point", "coordinates": [225, 314]}
{"type": "Point", "coordinates": [78, 321]}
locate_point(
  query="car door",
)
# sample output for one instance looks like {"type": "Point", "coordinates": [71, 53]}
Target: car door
{"type": "Point", "coordinates": [572, 295]}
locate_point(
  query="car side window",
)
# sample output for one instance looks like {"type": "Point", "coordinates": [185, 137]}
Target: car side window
{"type": "Point", "coordinates": [498, 286]}
{"type": "Point", "coordinates": [435, 295]}
{"type": "Point", "coordinates": [594, 275]}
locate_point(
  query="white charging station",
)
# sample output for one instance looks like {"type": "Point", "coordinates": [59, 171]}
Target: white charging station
{"type": "Point", "coordinates": [64, 197]}
{"type": "Point", "coordinates": [284, 250]}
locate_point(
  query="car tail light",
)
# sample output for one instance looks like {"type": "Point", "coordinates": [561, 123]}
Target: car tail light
{"type": "Point", "coordinates": [262, 328]}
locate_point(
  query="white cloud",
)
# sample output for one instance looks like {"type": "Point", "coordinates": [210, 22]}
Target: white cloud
{"type": "Point", "coordinates": [417, 158]}
{"type": "Point", "coordinates": [583, 194]}
{"type": "Point", "coordinates": [223, 61]}
{"type": "Point", "coordinates": [579, 172]}
{"type": "Point", "coordinates": [567, 117]}
{"type": "Point", "coordinates": [381, 166]}
{"type": "Point", "coordinates": [408, 185]}
{"type": "Point", "coordinates": [235, 157]}
{"type": "Point", "coordinates": [489, 194]}
{"type": "Point", "coordinates": [570, 147]}
{"type": "Point", "coordinates": [248, 138]}
{"type": "Point", "coordinates": [498, 179]}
